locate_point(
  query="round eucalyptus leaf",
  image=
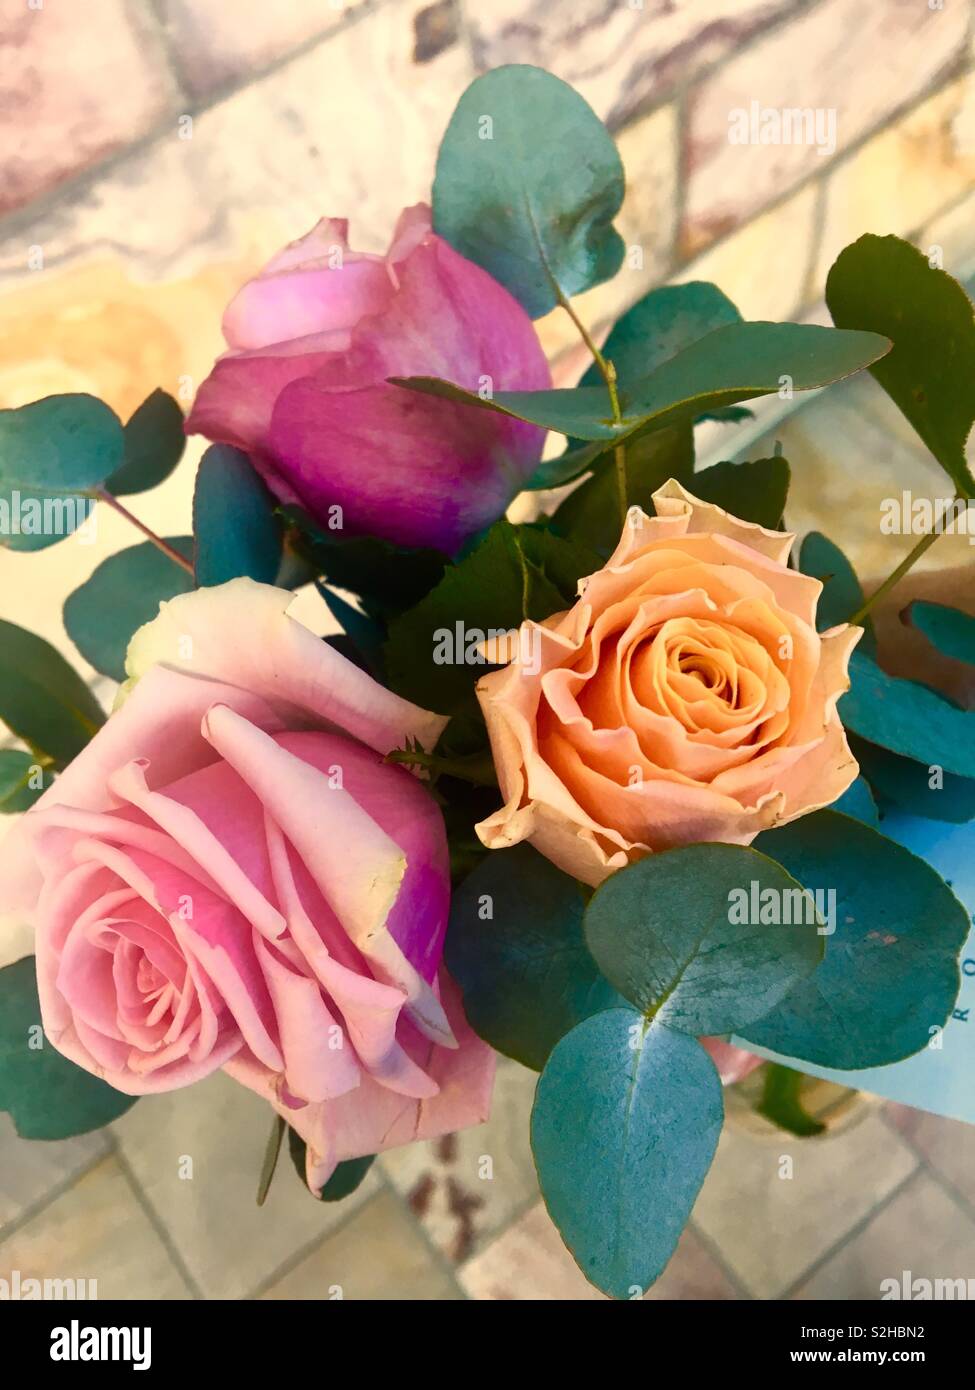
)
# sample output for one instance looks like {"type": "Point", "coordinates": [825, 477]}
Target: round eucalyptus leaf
{"type": "Point", "coordinates": [47, 1096]}
{"type": "Point", "coordinates": [154, 441]}
{"type": "Point", "coordinates": [891, 971]}
{"type": "Point", "coordinates": [236, 531]}
{"type": "Point", "coordinates": [704, 938]}
{"type": "Point", "coordinates": [43, 700]}
{"type": "Point", "coordinates": [624, 1127]}
{"type": "Point", "coordinates": [123, 592]}
{"type": "Point", "coordinates": [515, 948]}
{"type": "Point", "coordinates": [506, 196]}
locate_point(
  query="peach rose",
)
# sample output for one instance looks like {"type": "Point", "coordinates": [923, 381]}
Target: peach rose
{"type": "Point", "coordinates": [686, 697]}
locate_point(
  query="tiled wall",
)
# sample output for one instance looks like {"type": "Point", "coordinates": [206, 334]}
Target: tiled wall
{"type": "Point", "coordinates": [154, 152]}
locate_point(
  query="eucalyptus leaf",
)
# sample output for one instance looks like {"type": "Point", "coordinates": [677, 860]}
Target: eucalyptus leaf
{"type": "Point", "coordinates": [727, 415]}
{"type": "Point", "coordinates": [506, 196]}
{"type": "Point", "coordinates": [755, 491]}
{"type": "Point", "coordinates": [923, 789]}
{"type": "Point", "coordinates": [891, 970]}
{"type": "Point", "coordinates": [582, 411]}
{"type": "Point", "coordinates": [61, 444]}
{"type": "Point", "coordinates": [908, 719]}
{"type": "Point", "coordinates": [43, 700]}
{"type": "Point", "coordinates": [886, 285]}
{"type": "Point", "coordinates": [842, 594]}
{"type": "Point", "coordinates": [516, 949]}
{"type": "Point", "coordinates": [235, 529]}
{"type": "Point", "coordinates": [741, 361]}
{"type": "Point", "coordinates": [22, 780]}
{"type": "Point", "coordinates": [660, 325]}
{"type": "Point", "coordinates": [857, 801]}
{"type": "Point", "coordinates": [154, 441]}
{"type": "Point", "coordinates": [122, 594]}
{"type": "Point", "coordinates": [624, 1127]}
{"type": "Point", "coordinates": [948, 629]}
{"type": "Point", "coordinates": [47, 1096]}
{"type": "Point", "coordinates": [704, 938]}
{"type": "Point", "coordinates": [53, 454]}
{"type": "Point", "coordinates": [738, 362]}
{"type": "Point", "coordinates": [567, 466]}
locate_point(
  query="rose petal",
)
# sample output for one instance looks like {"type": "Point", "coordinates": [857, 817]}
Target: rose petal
{"type": "Point", "coordinates": [298, 301]}
{"type": "Point", "coordinates": [673, 499]}
{"type": "Point", "coordinates": [304, 681]}
{"type": "Point", "coordinates": [373, 1118]}
{"type": "Point", "coordinates": [356, 865]}
{"type": "Point", "coordinates": [412, 469]}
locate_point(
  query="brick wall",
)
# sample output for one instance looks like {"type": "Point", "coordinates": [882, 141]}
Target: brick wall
{"type": "Point", "coordinates": [154, 152]}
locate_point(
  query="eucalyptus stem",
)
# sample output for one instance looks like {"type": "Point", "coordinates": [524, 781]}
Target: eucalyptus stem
{"type": "Point", "coordinates": [271, 1153]}
{"type": "Point", "coordinates": [905, 565]}
{"type": "Point", "coordinates": [104, 496]}
{"type": "Point", "coordinates": [608, 373]}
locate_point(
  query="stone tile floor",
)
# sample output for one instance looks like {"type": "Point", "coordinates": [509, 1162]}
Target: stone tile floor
{"type": "Point", "coordinates": [163, 1207]}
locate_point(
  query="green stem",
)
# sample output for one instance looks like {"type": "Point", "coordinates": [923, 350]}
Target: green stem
{"type": "Point", "coordinates": [782, 1102]}
{"type": "Point", "coordinates": [478, 769]}
{"type": "Point", "coordinates": [608, 373]}
{"type": "Point", "coordinates": [270, 1159]}
{"type": "Point", "coordinates": [905, 565]}
{"type": "Point", "coordinates": [104, 496]}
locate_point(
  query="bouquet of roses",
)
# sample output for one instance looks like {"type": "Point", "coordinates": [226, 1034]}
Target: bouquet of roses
{"type": "Point", "coordinates": [597, 790]}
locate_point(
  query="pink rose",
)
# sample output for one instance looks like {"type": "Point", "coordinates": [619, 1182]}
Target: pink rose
{"type": "Point", "coordinates": [230, 876]}
{"type": "Point", "coordinates": [733, 1063]}
{"type": "Point", "coordinates": [687, 696]}
{"type": "Point", "coordinates": [304, 387]}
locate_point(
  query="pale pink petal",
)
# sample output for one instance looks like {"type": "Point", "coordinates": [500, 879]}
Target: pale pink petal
{"type": "Point", "coordinates": [209, 930]}
{"type": "Point", "coordinates": [302, 300]}
{"type": "Point", "coordinates": [370, 1009]}
{"type": "Point", "coordinates": [303, 680]}
{"type": "Point", "coordinates": [319, 1064]}
{"type": "Point", "coordinates": [161, 721]}
{"type": "Point", "coordinates": [357, 866]}
{"type": "Point", "coordinates": [373, 1119]}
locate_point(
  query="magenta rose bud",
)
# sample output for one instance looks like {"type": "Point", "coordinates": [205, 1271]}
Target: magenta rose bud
{"type": "Point", "coordinates": [304, 389]}
{"type": "Point", "coordinates": [231, 876]}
